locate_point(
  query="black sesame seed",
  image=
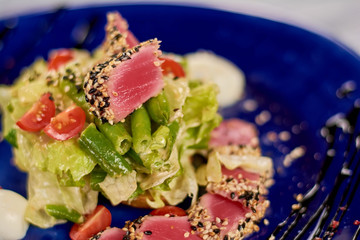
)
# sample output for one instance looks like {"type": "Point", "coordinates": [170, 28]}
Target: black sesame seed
{"type": "Point", "coordinates": [51, 98]}
{"type": "Point", "coordinates": [232, 238]}
{"type": "Point", "coordinates": [243, 225]}
{"type": "Point", "coordinates": [200, 224]}
{"type": "Point", "coordinates": [78, 88]}
{"type": "Point", "coordinates": [85, 84]}
{"type": "Point", "coordinates": [232, 195]}
{"type": "Point", "coordinates": [105, 77]}
{"type": "Point", "coordinates": [93, 112]}
{"type": "Point", "coordinates": [239, 227]}
{"type": "Point", "coordinates": [193, 228]}
{"type": "Point", "coordinates": [104, 120]}
{"type": "Point", "coordinates": [226, 237]}
{"type": "Point", "coordinates": [65, 77]}
{"type": "Point", "coordinates": [68, 70]}
{"type": "Point", "coordinates": [92, 90]}
{"type": "Point", "coordinates": [138, 220]}
{"type": "Point", "coordinates": [126, 237]}
{"type": "Point", "coordinates": [92, 101]}
{"type": "Point", "coordinates": [253, 210]}
{"type": "Point", "coordinates": [242, 196]}
{"type": "Point", "coordinates": [229, 179]}
{"type": "Point", "coordinates": [113, 66]}
{"type": "Point", "coordinates": [86, 98]}
{"type": "Point", "coordinates": [257, 196]}
{"type": "Point", "coordinates": [105, 99]}
{"type": "Point", "coordinates": [176, 78]}
{"type": "Point", "coordinates": [95, 81]}
{"type": "Point", "coordinates": [117, 36]}
{"type": "Point", "coordinates": [123, 49]}
{"type": "Point", "coordinates": [98, 94]}
{"type": "Point", "coordinates": [247, 220]}
{"type": "Point", "coordinates": [148, 232]}
{"type": "Point", "coordinates": [216, 230]}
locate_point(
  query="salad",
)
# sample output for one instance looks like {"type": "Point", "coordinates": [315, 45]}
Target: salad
{"type": "Point", "coordinates": [128, 121]}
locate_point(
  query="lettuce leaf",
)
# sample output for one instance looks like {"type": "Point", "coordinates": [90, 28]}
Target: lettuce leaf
{"type": "Point", "coordinates": [201, 105]}
{"type": "Point", "coordinates": [200, 116]}
{"type": "Point", "coordinates": [176, 91]}
{"type": "Point", "coordinates": [72, 160]}
{"type": "Point", "coordinates": [44, 189]}
{"type": "Point", "coordinates": [119, 188]}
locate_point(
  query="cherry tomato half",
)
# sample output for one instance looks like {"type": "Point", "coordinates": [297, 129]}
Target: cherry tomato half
{"type": "Point", "coordinates": [66, 124]}
{"type": "Point", "coordinates": [39, 114]}
{"type": "Point", "coordinates": [171, 210]}
{"type": "Point", "coordinates": [59, 58]}
{"type": "Point", "coordinates": [170, 66]}
{"type": "Point", "coordinates": [99, 220]}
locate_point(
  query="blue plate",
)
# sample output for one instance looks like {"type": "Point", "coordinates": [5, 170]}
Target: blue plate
{"type": "Point", "coordinates": [292, 73]}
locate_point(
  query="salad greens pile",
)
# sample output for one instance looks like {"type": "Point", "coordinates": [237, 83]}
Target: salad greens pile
{"type": "Point", "coordinates": [147, 154]}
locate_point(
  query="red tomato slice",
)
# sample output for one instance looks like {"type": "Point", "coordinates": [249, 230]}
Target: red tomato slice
{"type": "Point", "coordinates": [170, 66]}
{"type": "Point", "coordinates": [66, 124]}
{"type": "Point", "coordinates": [39, 114]}
{"type": "Point", "coordinates": [60, 57]}
{"type": "Point", "coordinates": [99, 220]}
{"type": "Point", "coordinates": [171, 210]}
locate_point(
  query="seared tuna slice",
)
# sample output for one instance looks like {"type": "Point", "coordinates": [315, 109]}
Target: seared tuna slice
{"type": "Point", "coordinates": [160, 228]}
{"type": "Point", "coordinates": [118, 36]}
{"type": "Point", "coordinates": [216, 217]}
{"type": "Point", "coordinates": [120, 85]}
{"type": "Point", "coordinates": [109, 234]}
{"type": "Point", "coordinates": [239, 185]}
{"type": "Point", "coordinates": [234, 132]}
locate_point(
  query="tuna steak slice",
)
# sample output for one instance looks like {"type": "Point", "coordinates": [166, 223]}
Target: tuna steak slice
{"type": "Point", "coordinates": [118, 86]}
{"type": "Point", "coordinates": [121, 25]}
{"type": "Point", "coordinates": [220, 218]}
{"type": "Point", "coordinates": [234, 132]}
{"type": "Point", "coordinates": [239, 185]}
{"type": "Point", "coordinates": [160, 228]}
{"type": "Point", "coordinates": [109, 234]}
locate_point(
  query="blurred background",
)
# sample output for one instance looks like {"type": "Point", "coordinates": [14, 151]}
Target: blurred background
{"type": "Point", "coordinates": [337, 19]}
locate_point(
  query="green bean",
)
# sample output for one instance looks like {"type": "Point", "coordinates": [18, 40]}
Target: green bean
{"type": "Point", "coordinates": [141, 129]}
{"type": "Point", "coordinates": [134, 156]}
{"type": "Point", "coordinates": [103, 152]}
{"type": "Point", "coordinates": [62, 212]}
{"type": "Point", "coordinates": [158, 108]}
{"type": "Point", "coordinates": [97, 176]}
{"type": "Point", "coordinates": [117, 134]}
{"type": "Point", "coordinates": [76, 93]}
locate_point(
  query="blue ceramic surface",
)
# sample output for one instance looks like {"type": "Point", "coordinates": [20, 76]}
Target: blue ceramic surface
{"type": "Point", "coordinates": [291, 72]}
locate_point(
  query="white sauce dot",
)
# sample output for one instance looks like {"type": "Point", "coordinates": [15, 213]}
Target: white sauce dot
{"type": "Point", "coordinates": [12, 209]}
{"type": "Point", "coordinates": [206, 66]}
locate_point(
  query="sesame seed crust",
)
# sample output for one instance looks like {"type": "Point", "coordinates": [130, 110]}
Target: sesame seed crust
{"type": "Point", "coordinates": [95, 84]}
{"type": "Point", "coordinates": [206, 227]}
{"type": "Point", "coordinates": [115, 41]}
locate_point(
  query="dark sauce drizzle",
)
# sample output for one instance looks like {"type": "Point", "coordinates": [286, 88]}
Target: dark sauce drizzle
{"type": "Point", "coordinates": [336, 128]}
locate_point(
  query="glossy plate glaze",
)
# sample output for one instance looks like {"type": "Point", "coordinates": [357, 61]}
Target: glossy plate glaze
{"type": "Point", "coordinates": [293, 75]}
